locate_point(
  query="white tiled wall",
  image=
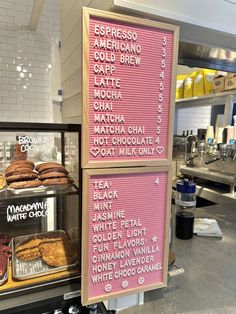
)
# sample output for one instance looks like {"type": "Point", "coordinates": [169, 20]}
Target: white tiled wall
{"type": "Point", "coordinates": [26, 61]}
{"type": "Point", "coordinates": [192, 119]}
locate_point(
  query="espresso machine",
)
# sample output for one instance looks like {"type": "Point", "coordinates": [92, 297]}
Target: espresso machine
{"type": "Point", "coordinates": [208, 160]}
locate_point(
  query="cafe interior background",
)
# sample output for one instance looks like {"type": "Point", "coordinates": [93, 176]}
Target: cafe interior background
{"type": "Point", "coordinates": [40, 73]}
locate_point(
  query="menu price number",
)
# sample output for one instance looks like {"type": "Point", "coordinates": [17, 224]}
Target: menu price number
{"type": "Point", "coordinates": [160, 96]}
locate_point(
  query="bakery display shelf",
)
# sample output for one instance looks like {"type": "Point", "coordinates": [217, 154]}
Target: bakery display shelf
{"type": "Point", "coordinates": [51, 191]}
{"type": "Point", "coordinates": [208, 100]}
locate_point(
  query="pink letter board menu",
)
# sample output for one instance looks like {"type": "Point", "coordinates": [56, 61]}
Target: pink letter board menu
{"type": "Point", "coordinates": [125, 231]}
{"type": "Point", "coordinates": [128, 90]}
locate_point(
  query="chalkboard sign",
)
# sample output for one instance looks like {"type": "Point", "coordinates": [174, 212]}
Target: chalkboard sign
{"type": "Point", "coordinates": [125, 231]}
{"type": "Point", "coordinates": [128, 90]}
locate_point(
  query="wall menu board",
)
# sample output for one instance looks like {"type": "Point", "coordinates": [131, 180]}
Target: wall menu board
{"type": "Point", "coordinates": [128, 90]}
{"type": "Point", "coordinates": [125, 231]}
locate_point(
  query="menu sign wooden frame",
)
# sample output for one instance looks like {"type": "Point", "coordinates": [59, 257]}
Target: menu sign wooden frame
{"type": "Point", "coordinates": [125, 231]}
{"type": "Point", "coordinates": [129, 71]}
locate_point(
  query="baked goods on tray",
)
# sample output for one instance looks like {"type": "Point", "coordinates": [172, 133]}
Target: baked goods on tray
{"type": "Point", "coordinates": [20, 175]}
{"type": "Point", "coordinates": [2, 182]}
{"type": "Point", "coordinates": [23, 174]}
{"type": "Point", "coordinates": [28, 250]}
{"type": "Point", "coordinates": [55, 249]}
{"type": "Point", "coordinates": [58, 253]}
{"type": "Point", "coordinates": [5, 253]}
{"type": "Point", "coordinates": [52, 173]}
{"type": "Point", "coordinates": [25, 184]}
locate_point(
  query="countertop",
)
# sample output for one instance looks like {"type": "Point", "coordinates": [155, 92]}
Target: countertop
{"type": "Point", "coordinates": [209, 283]}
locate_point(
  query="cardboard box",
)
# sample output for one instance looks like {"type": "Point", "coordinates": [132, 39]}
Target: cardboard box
{"type": "Point", "coordinates": [230, 83]}
{"type": "Point", "coordinates": [231, 75]}
{"type": "Point", "coordinates": [218, 84]}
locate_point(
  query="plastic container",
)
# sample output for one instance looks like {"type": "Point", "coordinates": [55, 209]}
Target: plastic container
{"type": "Point", "coordinates": [185, 195]}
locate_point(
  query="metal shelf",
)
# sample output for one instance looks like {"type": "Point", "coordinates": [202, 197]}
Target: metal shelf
{"type": "Point", "coordinates": [209, 100]}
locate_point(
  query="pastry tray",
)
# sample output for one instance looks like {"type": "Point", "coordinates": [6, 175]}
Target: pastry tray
{"type": "Point", "coordinates": [5, 277]}
{"type": "Point", "coordinates": [22, 270]}
{"type": "Point", "coordinates": [38, 189]}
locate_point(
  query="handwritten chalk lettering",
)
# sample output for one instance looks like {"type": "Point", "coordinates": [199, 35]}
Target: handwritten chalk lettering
{"type": "Point", "coordinates": [117, 33]}
{"type": "Point", "coordinates": [102, 247]}
{"type": "Point", "coordinates": [104, 267]}
{"type": "Point", "coordinates": [107, 195]}
{"type": "Point", "coordinates": [104, 56]}
{"type": "Point", "coordinates": [109, 118]}
{"type": "Point", "coordinates": [104, 226]}
{"type": "Point", "coordinates": [130, 272]}
{"type": "Point", "coordinates": [136, 129]}
{"type": "Point", "coordinates": [130, 223]}
{"type": "Point", "coordinates": [106, 237]}
{"type": "Point", "coordinates": [17, 217]}
{"type": "Point", "coordinates": [19, 212]}
{"type": "Point", "coordinates": [102, 106]}
{"type": "Point", "coordinates": [100, 141]}
{"type": "Point", "coordinates": [149, 268]}
{"type": "Point", "coordinates": [130, 60]}
{"type": "Point", "coordinates": [102, 277]}
{"type": "Point", "coordinates": [108, 129]}
{"type": "Point", "coordinates": [103, 69]}
{"type": "Point", "coordinates": [104, 94]}
{"type": "Point", "coordinates": [138, 141]}
{"type": "Point", "coordinates": [102, 206]}
{"type": "Point", "coordinates": [146, 151]}
{"type": "Point", "coordinates": [128, 244]}
{"type": "Point", "coordinates": [137, 261]}
{"type": "Point", "coordinates": [27, 207]}
{"type": "Point", "coordinates": [110, 256]}
{"type": "Point", "coordinates": [38, 214]}
{"type": "Point", "coordinates": [107, 82]}
{"type": "Point", "coordinates": [127, 151]}
{"type": "Point", "coordinates": [132, 233]}
{"type": "Point", "coordinates": [23, 139]}
{"type": "Point", "coordinates": [116, 215]}
{"type": "Point", "coordinates": [145, 250]}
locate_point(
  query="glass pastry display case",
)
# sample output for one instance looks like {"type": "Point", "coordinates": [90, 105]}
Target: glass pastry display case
{"type": "Point", "coordinates": [40, 207]}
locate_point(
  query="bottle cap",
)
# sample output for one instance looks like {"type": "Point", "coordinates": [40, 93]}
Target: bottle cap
{"type": "Point", "coordinates": [185, 186]}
